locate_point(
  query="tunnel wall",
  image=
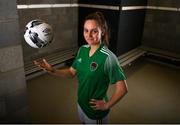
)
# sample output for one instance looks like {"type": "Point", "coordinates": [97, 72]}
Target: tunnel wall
{"type": "Point", "coordinates": [13, 93]}
{"type": "Point", "coordinates": [162, 25]}
{"type": "Point", "coordinates": [62, 18]}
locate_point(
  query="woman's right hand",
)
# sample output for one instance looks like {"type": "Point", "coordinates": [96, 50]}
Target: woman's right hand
{"type": "Point", "coordinates": [43, 64]}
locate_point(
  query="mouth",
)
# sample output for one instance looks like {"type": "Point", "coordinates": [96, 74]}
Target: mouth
{"type": "Point", "coordinates": [90, 39]}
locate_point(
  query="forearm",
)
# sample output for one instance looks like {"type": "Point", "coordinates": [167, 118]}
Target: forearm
{"type": "Point", "coordinates": [120, 91]}
{"type": "Point", "coordinates": [63, 72]}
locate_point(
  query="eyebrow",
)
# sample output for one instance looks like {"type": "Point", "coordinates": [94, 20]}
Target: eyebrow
{"type": "Point", "coordinates": [91, 29]}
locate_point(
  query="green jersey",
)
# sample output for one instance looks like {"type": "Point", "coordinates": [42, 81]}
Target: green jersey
{"type": "Point", "coordinates": [94, 74]}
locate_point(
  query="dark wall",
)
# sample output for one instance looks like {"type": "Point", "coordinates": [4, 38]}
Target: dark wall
{"type": "Point", "coordinates": [164, 3]}
{"type": "Point", "coordinates": [100, 2]}
{"type": "Point", "coordinates": [131, 26]}
{"type": "Point", "coordinates": [130, 30]}
{"type": "Point", "coordinates": [112, 17]}
{"type": "Point", "coordinates": [126, 27]}
{"type": "Point", "coordinates": [162, 27]}
{"type": "Point", "coordinates": [133, 2]}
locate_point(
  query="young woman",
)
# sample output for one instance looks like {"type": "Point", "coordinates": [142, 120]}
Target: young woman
{"type": "Point", "coordinates": [96, 67]}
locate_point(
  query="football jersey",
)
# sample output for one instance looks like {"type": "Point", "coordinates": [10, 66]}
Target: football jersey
{"type": "Point", "coordinates": [94, 74]}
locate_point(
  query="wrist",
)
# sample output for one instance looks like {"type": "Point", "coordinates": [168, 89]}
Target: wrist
{"type": "Point", "coordinates": [107, 105]}
{"type": "Point", "coordinates": [51, 70]}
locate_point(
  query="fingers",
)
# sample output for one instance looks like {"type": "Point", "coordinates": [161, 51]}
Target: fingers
{"type": "Point", "coordinates": [97, 104]}
{"type": "Point", "coordinates": [93, 104]}
{"type": "Point", "coordinates": [44, 60]}
{"type": "Point", "coordinates": [35, 62]}
{"type": "Point", "coordinates": [41, 63]}
{"type": "Point", "coordinates": [93, 101]}
{"type": "Point", "coordinates": [46, 63]}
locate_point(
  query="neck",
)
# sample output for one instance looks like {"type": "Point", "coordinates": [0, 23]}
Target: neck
{"type": "Point", "coordinates": [93, 49]}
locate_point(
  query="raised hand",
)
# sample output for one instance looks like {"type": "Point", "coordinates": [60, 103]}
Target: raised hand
{"type": "Point", "coordinates": [43, 64]}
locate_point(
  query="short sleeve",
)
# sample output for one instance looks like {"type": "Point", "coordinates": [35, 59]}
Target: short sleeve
{"type": "Point", "coordinates": [113, 70]}
{"type": "Point", "coordinates": [74, 64]}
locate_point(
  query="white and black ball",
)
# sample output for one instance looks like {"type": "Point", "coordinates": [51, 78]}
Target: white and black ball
{"type": "Point", "coordinates": [38, 34]}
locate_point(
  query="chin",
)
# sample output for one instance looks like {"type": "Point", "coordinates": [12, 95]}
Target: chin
{"type": "Point", "coordinates": [90, 42]}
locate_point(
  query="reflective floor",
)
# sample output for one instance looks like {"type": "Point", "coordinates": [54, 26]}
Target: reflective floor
{"type": "Point", "coordinates": [153, 97]}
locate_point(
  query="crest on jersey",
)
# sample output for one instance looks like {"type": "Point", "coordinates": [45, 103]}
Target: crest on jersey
{"type": "Point", "coordinates": [93, 66]}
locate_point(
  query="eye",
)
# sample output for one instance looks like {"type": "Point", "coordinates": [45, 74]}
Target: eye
{"type": "Point", "coordinates": [85, 30]}
{"type": "Point", "coordinates": [95, 31]}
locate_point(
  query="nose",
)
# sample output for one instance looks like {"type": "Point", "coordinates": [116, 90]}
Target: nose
{"type": "Point", "coordinates": [89, 34]}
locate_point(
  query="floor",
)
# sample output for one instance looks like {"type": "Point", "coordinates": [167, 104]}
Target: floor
{"type": "Point", "coordinates": [153, 96]}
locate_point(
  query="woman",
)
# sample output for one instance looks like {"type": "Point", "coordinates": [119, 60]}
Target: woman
{"type": "Point", "coordinates": [95, 67]}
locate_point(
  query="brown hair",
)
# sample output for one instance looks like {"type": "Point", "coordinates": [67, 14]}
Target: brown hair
{"type": "Point", "coordinates": [99, 18]}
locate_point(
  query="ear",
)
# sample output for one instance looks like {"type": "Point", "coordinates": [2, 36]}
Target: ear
{"type": "Point", "coordinates": [102, 34]}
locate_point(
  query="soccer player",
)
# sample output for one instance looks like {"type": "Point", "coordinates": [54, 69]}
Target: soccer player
{"type": "Point", "coordinates": [96, 67]}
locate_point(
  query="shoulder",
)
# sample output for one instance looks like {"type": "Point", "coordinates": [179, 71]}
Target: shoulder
{"type": "Point", "coordinates": [110, 55]}
{"type": "Point", "coordinates": [83, 48]}
{"type": "Point", "coordinates": [111, 59]}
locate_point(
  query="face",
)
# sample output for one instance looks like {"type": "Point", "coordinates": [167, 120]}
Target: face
{"type": "Point", "coordinates": [92, 32]}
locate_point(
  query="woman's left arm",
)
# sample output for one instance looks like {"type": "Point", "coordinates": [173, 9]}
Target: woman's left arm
{"type": "Point", "coordinates": [120, 91]}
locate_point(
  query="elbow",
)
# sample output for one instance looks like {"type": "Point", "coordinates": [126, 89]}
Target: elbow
{"type": "Point", "coordinates": [125, 91]}
{"type": "Point", "coordinates": [125, 88]}
{"type": "Point", "coordinates": [122, 88]}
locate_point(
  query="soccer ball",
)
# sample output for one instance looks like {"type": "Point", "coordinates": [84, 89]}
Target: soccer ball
{"type": "Point", "coordinates": [38, 34]}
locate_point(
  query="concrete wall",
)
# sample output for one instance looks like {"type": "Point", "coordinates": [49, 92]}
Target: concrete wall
{"type": "Point", "coordinates": [14, 51]}
{"type": "Point", "coordinates": [162, 27]}
{"type": "Point", "coordinates": [13, 93]}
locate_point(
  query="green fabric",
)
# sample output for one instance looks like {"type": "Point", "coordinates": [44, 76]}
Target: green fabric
{"type": "Point", "coordinates": [94, 74]}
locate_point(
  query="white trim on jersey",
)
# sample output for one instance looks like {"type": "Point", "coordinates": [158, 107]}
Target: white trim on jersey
{"type": "Point", "coordinates": [104, 52]}
{"type": "Point", "coordinates": [105, 49]}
